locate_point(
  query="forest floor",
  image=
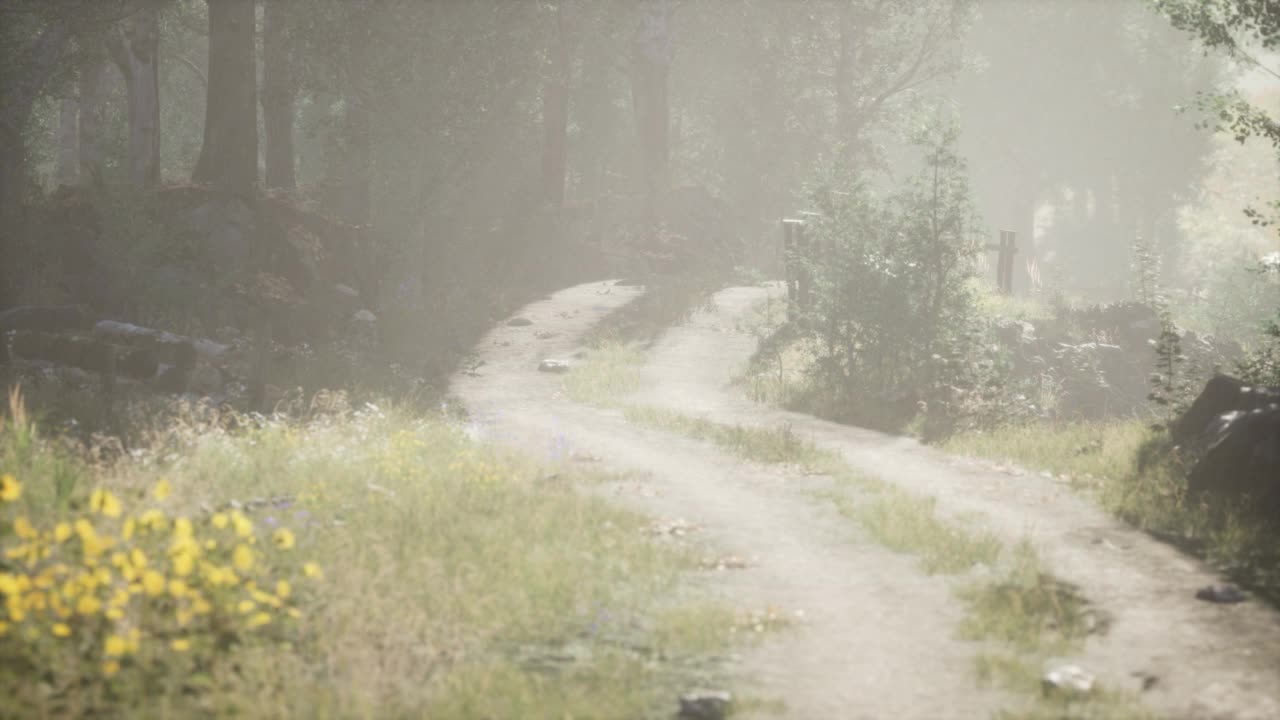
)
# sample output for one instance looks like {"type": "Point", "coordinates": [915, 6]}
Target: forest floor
{"type": "Point", "coordinates": [915, 584]}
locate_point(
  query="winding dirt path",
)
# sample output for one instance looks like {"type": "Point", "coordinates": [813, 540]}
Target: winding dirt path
{"type": "Point", "coordinates": [878, 640]}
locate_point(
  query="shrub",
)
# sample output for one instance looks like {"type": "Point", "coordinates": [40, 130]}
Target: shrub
{"type": "Point", "coordinates": [107, 596]}
{"type": "Point", "coordinates": [893, 312]}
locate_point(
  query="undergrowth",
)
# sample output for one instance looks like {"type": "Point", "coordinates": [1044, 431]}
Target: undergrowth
{"type": "Point", "coordinates": [362, 564]}
{"type": "Point", "coordinates": [1132, 472]}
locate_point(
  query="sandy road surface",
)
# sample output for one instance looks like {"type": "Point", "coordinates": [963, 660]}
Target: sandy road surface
{"type": "Point", "coordinates": [878, 639]}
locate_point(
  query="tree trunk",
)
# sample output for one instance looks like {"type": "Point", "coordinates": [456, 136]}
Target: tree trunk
{"type": "Point", "coordinates": [229, 154]}
{"type": "Point", "coordinates": [68, 167]}
{"type": "Point", "coordinates": [357, 125]}
{"type": "Point", "coordinates": [650, 71]}
{"type": "Point", "coordinates": [17, 97]}
{"type": "Point", "coordinates": [134, 46]}
{"type": "Point", "coordinates": [95, 79]}
{"type": "Point", "coordinates": [278, 93]}
{"type": "Point", "coordinates": [555, 114]}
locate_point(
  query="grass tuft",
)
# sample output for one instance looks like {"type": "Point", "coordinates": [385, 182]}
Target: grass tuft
{"type": "Point", "coordinates": [765, 445]}
{"type": "Point", "coordinates": [609, 373]}
{"type": "Point", "coordinates": [440, 559]}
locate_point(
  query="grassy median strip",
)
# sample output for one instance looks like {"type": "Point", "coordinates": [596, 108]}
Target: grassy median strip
{"type": "Point", "coordinates": [1021, 613]}
{"type": "Point", "coordinates": [366, 564]}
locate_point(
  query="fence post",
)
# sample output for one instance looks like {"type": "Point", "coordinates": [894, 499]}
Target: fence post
{"type": "Point", "coordinates": [791, 233]}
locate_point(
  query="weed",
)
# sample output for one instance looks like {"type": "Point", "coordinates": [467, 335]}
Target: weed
{"type": "Point", "coordinates": [438, 556]}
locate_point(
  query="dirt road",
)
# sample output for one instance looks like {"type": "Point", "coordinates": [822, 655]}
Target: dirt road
{"type": "Point", "coordinates": [878, 638]}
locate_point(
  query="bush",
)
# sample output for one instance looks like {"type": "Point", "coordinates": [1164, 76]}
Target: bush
{"type": "Point", "coordinates": [893, 315]}
{"type": "Point", "coordinates": [107, 597]}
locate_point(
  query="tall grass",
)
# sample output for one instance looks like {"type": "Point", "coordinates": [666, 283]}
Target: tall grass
{"type": "Point", "coordinates": [453, 577]}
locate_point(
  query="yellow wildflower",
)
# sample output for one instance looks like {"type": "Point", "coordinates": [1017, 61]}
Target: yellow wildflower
{"type": "Point", "coordinates": [182, 529]}
{"type": "Point", "coordinates": [101, 501]}
{"type": "Point", "coordinates": [110, 667]}
{"type": "Point", "coordinates": [283, 589]}
{"type": "Point", "coordinates": [219, 520]}
{"type": "Point", "coordinates": [180, 645]}
{"type": "Point", "coordinates": [183, 563]}
{"type": "Point", "coordinates": [177, 588]}
{"type": "Point", "coordinates": [10, 488]}
{"type": "Point", "coordinates": [61, 532]}
{"type": "Point", "coordinates": [244, 528]}
{"type": "Point", "coordinates": [8, 585]}
{"type": "Point", "coordinates": [60, 630]}
{"type": "Point", "coordinates": [154, 520]}
{"type": "Point", "coordinates": [115, 646]}
{"type": "Point", "coordinates": [129, 525]}
{"type": "Point", "coordinates": [294, 613]}
{"type": "Point", "coordinates": [312, 570]}
{"type": "Point", "coordinates": [245, 607]}
{"type": "Point", "coordinates": [283, 538]}
{"type": "Point", "coordinates": [242, 558]}
{"type": "Point", "coordinates": [161, 491]}
{"type": "Point", "coordinates": [153, 583]}
{"type": "Point", "coordinates": [88, 605]}
{"type": "Point", "coordinates": [138, 559]}
{"type": "Point", "coordinates": [23, 529]}
{"type": "Point", "coordinates": [4, 628]}
{"type": "Point", "coordinates": [17, 613]}
{"type": "Point", "coordinates": [259, 620]}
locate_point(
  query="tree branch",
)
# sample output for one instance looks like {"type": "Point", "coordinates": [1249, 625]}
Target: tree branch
{"type": "Point", "coordinates": [194, 68]}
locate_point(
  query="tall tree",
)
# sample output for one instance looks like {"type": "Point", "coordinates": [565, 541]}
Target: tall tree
{"type": "Point", "coordinates": [555, 111]}
{"type": "Point", "coordinates": [651, 56]}
{"type": "Point", "coordinates": [134, 46]}
{"type": "Point", "coordinates": [279, 91]}
{"type": "Point", "coordinates": [1236, 28]}
{"type": "Point", "coordinates": [94, 85]}
{"type": "Point", "coordinates": [229, 154]}
{"type": "Point", "coordinates": [68, 167]}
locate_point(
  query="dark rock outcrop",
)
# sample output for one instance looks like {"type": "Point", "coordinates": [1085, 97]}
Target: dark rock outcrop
{"type": "Point", "coordinates": [1234, 429]}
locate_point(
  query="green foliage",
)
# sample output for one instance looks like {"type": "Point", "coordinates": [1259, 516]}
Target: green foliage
{"type": "Point", "coordinates": [450, 580]}
{"type": "Point", "coordinates": [892, 287]}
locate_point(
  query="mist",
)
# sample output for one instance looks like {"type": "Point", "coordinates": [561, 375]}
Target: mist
{"type": "Point", "coordinates": [639, 358]}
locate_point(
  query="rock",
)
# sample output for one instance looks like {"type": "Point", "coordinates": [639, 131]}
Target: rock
{"type": "Point", "coordinates": [1221, 395]}
{"type": "Point", "coordinates": [1243, 461]}
{"type": "Point", "coordinates": [1225, 594]}
{"type": "Point", "coordinates": [551, 365]}
{"type": "Point", "coordinates": [705, 705]}
{"type": "Point", "coordinates": [519, 322]}
{"type": "Point", "coordinates": [365, 316]}
{"type": "Point", "coordinates": [1068, 679]}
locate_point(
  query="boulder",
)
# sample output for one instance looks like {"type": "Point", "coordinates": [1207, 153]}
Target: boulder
{"type": "Point", "coordinates": [1242, 462]}
{"type": "Point", "coordinates": [1223, 394]}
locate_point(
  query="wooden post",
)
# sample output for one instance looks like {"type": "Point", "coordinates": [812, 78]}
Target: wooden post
{"type": "Point", "coordinates": [791, 233]}
{"type": "Point", "coordinates": [804, 282]}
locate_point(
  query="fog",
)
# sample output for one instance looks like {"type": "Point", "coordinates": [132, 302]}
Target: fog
{"type": "Point", "coordinates": [539, 325]}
